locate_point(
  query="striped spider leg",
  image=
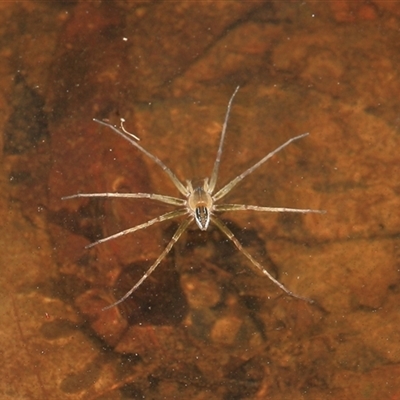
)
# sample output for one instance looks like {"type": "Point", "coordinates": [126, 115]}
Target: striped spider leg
{"type": "Point", "coordinates": [198, 204]}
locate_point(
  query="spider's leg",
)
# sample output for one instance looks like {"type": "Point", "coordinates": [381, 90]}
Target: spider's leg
{"type": "Point", "coordinates": [127, 137]}
{"type": "Point", "coordinates": [236, 242]}
{"type": "Point", "coordinates": [152, 196]}
{"type": "Point", "coordinates": [229, 186]}
{"type": "Point", "coordinates": [243, 207]}
{"type": "Point", "coordinates": [182, 227]}
{"type": "Point", "coordinates": [161, 218]}
{"type": "Point", "coordinates": [214, 174]}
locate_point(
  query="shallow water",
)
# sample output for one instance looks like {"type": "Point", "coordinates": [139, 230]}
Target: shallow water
{"type": "Point", "coordinates": [203, 325]}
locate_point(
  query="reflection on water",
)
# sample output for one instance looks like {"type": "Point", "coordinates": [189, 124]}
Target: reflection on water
{"type": "Point", "coordinates": [203, 325]}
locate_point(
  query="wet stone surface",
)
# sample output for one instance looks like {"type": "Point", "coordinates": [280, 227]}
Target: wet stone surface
{"type": "Point", "coordinates": [203, 325]}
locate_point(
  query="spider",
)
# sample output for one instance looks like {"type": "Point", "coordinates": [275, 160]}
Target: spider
{"type": "Point", "coordinates": [198, 204]}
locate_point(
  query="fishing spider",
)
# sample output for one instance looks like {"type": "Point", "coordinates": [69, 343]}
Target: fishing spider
{"type": "Point", "coordinates": [198, 204]}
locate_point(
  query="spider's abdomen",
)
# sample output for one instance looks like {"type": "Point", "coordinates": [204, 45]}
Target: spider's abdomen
{"type": "Point", "coordinates": [202, 217]}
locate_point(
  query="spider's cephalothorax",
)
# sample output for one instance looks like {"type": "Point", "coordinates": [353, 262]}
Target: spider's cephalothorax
{"type": "Point", "coordinates": [198, 204]}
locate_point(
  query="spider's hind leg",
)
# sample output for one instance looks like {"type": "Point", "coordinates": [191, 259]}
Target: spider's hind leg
{"type": "Point", "coordinates": [259, 268]}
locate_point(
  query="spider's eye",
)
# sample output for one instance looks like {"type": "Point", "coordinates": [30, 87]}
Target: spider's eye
{"type": "Point", "coordinates": [202, 217]}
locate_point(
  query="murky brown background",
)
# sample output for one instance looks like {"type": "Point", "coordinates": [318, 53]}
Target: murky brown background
{"type": "Point", "coordinates": [203, 326]}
